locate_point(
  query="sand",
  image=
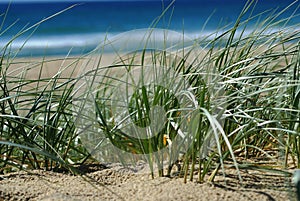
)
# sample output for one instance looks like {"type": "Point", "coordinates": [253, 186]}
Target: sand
{"type": "Point", "coordinates": [113, 182]}
{"type": "Point", "coordinates": [117, 183]}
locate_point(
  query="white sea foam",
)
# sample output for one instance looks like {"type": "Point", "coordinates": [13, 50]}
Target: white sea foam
{"type": "Point", "coordinates": [79, 43]}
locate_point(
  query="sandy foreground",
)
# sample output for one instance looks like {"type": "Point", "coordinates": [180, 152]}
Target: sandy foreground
{"type": "Point", "coordinates": [117, 183]}
{"type": "Point", "coordinates": [113, 182]}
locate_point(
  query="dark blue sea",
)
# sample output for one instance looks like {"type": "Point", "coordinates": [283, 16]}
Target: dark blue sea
{"type": "Point", "coordinates": [81, 28]}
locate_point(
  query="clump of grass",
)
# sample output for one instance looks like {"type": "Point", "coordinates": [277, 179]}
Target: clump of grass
{"type": "Point", "coordinates": [255, 82]}
{"type": "Point", "coordinates": [36, 120]}
{"type": "Point", "coordinates": [259, 75]}
{"type": "Point", "coordinates": [37, 126]}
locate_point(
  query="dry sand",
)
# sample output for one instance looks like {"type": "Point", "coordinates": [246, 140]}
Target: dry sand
{"type": "Point", "coordinates": [117, 183]}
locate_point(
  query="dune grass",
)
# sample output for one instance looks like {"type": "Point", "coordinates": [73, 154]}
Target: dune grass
{"type": "Point", "coordinates": [245, 90]}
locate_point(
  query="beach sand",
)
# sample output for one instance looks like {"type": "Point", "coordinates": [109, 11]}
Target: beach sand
{"type": "Point", "coordinates": [116, 183]}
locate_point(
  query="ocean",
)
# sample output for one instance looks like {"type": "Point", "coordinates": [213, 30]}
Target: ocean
{"type": "Point", "coordinates": [81, 28]}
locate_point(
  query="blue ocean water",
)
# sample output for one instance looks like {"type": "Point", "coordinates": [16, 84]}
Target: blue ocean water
{"type": "Point", "coordinates": [82, 27]}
